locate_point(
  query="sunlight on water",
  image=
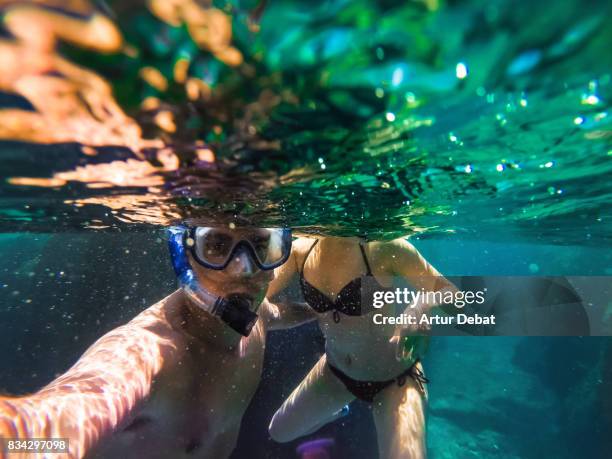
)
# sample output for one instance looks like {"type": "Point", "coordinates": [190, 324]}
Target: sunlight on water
{"type": "Point", "coordinates": [485, 121]}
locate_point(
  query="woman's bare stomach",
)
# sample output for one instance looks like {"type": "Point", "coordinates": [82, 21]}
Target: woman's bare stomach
{"type": "Point", "coordinates": [362, 350]}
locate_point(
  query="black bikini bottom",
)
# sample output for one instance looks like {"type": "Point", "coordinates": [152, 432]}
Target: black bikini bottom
{"type": "Point", "coordinates": [367, 390]}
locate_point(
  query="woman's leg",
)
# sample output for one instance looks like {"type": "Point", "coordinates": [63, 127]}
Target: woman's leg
{"type": "Point", "coordinates": [312, 404]}
{"type": "Point", "coordinates": [399, 415]}
{"type": "Point", "coordinates": [337, 415]}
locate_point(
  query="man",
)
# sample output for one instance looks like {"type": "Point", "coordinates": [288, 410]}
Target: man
{"type": "Point", "coordinates": [176, 380]}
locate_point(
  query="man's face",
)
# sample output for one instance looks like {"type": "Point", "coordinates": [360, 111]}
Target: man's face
{"type": "Point", "coordinates": [241, 275]}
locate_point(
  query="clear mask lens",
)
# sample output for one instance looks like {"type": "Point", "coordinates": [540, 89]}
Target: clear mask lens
{"type": "Point", "coordinates": [214, 247]}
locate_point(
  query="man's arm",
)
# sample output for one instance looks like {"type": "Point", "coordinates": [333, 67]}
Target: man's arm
{"type": "Point", "coordinates": [98, 393]}
{"type": "Point", "coordinates": [278, 316]}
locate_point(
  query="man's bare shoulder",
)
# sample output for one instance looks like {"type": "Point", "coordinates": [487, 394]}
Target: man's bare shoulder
{"type": "Point", "coordinates": [157, 325]}
{"type": "Point", "coordinates": [167, 310]}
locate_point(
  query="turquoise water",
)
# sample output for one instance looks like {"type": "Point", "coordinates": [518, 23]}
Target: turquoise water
{"type": "Point", "coordinates": [506, 397]}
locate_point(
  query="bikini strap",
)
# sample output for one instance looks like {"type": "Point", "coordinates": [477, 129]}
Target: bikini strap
{"type": "Point", "coordinates": [306, 257]}
{"type": "Point", "coordinates": [365, 259]}
{"type": "Point", "coordinates": [416, 374]}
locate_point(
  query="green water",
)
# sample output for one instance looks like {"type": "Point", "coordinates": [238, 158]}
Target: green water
{"type": "Point", "coordinates": [385, 139]}
{"type": "Point", "coordinates": [486, 120]}
{"type": "Point", "coordinates": [481, 128]}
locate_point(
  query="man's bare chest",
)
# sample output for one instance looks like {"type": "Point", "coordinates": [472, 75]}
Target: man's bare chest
{"type": "Point", "coordinates": [195, 406]}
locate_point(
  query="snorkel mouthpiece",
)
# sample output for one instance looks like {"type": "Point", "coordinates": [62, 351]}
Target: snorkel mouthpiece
{"type": "Point", "coordinates": [237, 314]}
{"type": "Point", "coordinates": [235, 310]}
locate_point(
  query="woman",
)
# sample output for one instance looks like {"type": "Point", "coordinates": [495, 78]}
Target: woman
{"type": "Point", "coordinates": [361, 359]}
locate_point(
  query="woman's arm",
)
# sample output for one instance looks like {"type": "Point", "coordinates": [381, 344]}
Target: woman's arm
{"type": "Point", "coordinates": [99, 392]}
{"type": "Point", "coordinates": [400, 258]}
{"type": "Point", "coordinates": [405, 261]}
{"type": "Point", "coordinates": [283, 274]}
{"type": "Point", "coordinates": [287, 314]}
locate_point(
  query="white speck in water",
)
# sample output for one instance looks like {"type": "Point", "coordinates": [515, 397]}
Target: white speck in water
{"type": "Point", "coordinates": [589, 99]}
{"type": "Point", "coordinates": [500, 167]}
{"type": "Point", "coordinates": [390, 117]}
{"type": "Point", "coordinates": [578, 120]}
{"type": "Point", "coordinates": [397, 77]}
{"type": "Point", "coordinates": [461, 70]}
{"type": "Point", "coordinates": [600, 116]}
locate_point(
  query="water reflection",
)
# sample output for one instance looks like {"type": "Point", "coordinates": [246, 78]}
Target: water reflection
{"type": "Point", "coordinates": [328, 126]}
{"type": "Point", "coordinates": [69, 103]}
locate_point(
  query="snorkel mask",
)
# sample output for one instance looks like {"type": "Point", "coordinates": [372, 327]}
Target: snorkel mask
{"type": "Point", "coordinates": [214, 248]}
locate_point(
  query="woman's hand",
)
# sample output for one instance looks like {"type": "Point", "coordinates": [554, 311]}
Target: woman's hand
{"type": "Point", "coordinates": [407, 336]}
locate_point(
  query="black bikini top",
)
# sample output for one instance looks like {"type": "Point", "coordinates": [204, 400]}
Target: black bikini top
{"type": "Point", "coordinates": [348, 300]}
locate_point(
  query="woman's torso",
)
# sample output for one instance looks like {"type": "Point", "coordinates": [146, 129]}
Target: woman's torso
{"type": "Point", "coordinates": [354, 343]}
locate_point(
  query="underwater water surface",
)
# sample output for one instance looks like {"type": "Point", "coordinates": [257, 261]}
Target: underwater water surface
{"type": "Point", "coordinates": [486, 120]}
{"type": "Point", "coordinates": [481, 130]}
